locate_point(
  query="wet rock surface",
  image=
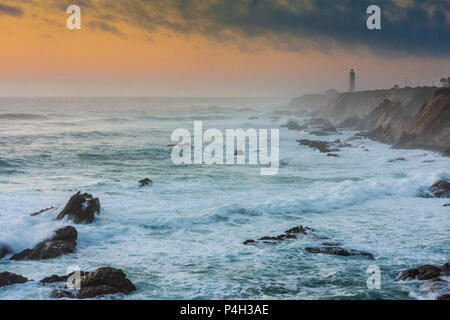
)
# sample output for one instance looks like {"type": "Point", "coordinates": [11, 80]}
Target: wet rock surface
{"type": "Point", "coordinates": [292, 125]}
{"type": "Point", "coordinates": [322, 146]}
{"type": "Point", "coordinates": [81, 208]}
{"type": "Point", "coordinates": [102, 281]}
{"type": "Point", "coordinates": [425, 272]}
{"type": "Point", "coordinates": [64, 241]}
{"type": "Point", "coordinates": [338, 251]}
{"type": "Point", "coordinates": [440, 189]}
{"type": "Point", "coordinates": [288, 234]}
{"type": "Point", "coordinates": [41, 211]}
{"type": "Point", "coordinates": [8, 278]}
{"type": "Point", "coordinates": [145, 182]}
{"type": "Point", "coordinates": [4, 250]}
{"type": "Point", "coordinates": [55, 278]}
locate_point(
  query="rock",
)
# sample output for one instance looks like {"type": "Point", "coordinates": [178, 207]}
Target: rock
{"type": "Point", "coordinates": [446, 152]}
{"type": "Point", "coordinates": [397, 159]}
{"type": "Point", "coordinates": [441, 189]}
{"type": "Point", "coordinates": [332, 155]}
{"type": "Point", "coordinates": [253, 118]}
{"type": "Point", "coordinates": [446, 205]}
{"type": "Point", "coordinates": [42, 211]}
{"type": "Point", "coordinates": [425, 272]}
{"type": "Point", "coordinates": [331, 244]}
{"type": "Point", "coordinates": [340, 252]}
{"type": "Point", "coordinates": [288, 234]}
{"type": "Point", "coordinates": [322, 146]}
{"type": "Point", "coordinates": [64, 241]}
{"type": "Point", "coordinates": [8, 278]}
{"type": "Point", "coordinates": [145, 182]}
{"type": "Point", "coordinates": [292, 125]}
{"type": "Point", "coordinates": [319, 122]}
{"type": "Point", "coordinates": [4, 250]}
{"type": "Point", "coordinates": [444, 297]}
{"type": "Point", "coordinates": [59, 293]}
{"type": "Point", "coordinates": [55, 278]}
{"type": "Point", "coordinates": [81, 208]}
{"type": "Point", "coordinates": [445, 269]}
{"type": "Point", "coordinates": [435, 286]}
{"type": "Point", "coordinates": [104, 280]}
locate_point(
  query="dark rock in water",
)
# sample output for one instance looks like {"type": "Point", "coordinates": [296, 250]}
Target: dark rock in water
{"type": "Point", "coordinates": [444, 297]}
{"type": "Point", "coordinates": [425, 272]}
{"type": "Point", "coordinates": [447, 205]}
{"type": "Point", "coordinates": [81, 208]}
{"type": "Point", "coordinates": [322, 146]}
{"type": "Point", "coordinates": [436, 286]}
{"type": "Point", "coordinates": [104, 280]}
{"type": "Point", "coordinates": [42, 211]}
{"type": "Point", "coordinates": [4, 250]}
{"type": "Point", "coordinates": [145, 182]}
{"type": "Point", "coordinates": [332, 155]}
{"type": "Point", "coordinates": [8, 278]}
{"type": "Point", "coordinates": [440, 189]}
{"type": "Point", "coordinates": [398, 159]}
{"type": "Point", "coordinates": [55, 278]}
{"type": "Point", "coordinates": [253, 118]}
{"type": "Point", "coordinates": [64, 241]}
{"type": "Point", "coordinates": [292, 125]}
{"type": "Point", "coordinates": [445, 269]}
{"type": "Point", "coordinates": [288, 234]}
{"type": "Point", "coordinates": [340, 252]}
{"type": "Point", "coordinates": [446, 152]}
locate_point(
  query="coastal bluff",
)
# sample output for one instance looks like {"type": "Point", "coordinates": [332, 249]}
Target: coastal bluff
{"type": "Point", "coordinates": [410, 118]}
{"type": "Point", "coordinates": [361, 103]}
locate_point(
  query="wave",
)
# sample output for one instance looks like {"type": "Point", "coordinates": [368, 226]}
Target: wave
{"type": "Point", "coordinates": [22, 116]}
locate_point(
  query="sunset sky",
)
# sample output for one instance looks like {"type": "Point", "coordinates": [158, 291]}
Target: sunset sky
{"type": "Point", "coordinates": [218, 47]}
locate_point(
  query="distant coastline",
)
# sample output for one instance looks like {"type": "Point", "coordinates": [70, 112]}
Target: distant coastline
{"type": "Point", "coordinates": [410, 118]}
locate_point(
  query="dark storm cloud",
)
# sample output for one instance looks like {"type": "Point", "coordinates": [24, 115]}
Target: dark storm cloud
{"type": "Point", "coordinates": [11, 10]}
{"type": "Point", "coordinates": [414, 27]}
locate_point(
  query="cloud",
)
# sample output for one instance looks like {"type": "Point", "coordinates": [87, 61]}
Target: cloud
{"type": "Point", "coordinates": [100, 25]}
{"type": "Point", "coordinates": [409, 27]}
{"type": "Point", "coordinates": [11, 10]}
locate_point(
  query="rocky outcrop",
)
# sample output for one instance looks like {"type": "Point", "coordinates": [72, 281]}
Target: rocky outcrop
{"type": "Point", "coordinates": [145, 182]}
{"type": "Point", "coordinates": [64, 241]}
{"type": "Point", "coordinates": [333, 250]}
{"type": "Point", "coordinates": [288, 234]}
{"type": "Point", "coordinates": [8, 278]}
{"type": "Point", "coordinates": [102, 281]}
{"type": "Point", "coordinates": [81, 208]}
{"type": "Point", "coordinates": [440, 189]}
{"type": "Point", "coordinates": [292, 125]}
{"type": "Point", "coordinates": [4, 250]}
{"type": "Point", "coordinates": [360, 104]}
{"type": "Point", "coordinates": [55, 278]}
{"type": "Point", "coordinates": [322, 146]}
{"type": "Point", "coordinates": [430, 128]}
{"type": "Point", "coordinates": [41, 211]}
{"type": "Point", "coordinates": [425, 272]}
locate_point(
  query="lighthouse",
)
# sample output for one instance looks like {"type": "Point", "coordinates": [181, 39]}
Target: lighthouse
{"type": "Point", "coordinates": [352, 81]}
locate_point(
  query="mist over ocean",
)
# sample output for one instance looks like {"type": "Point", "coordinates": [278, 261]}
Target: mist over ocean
{"type": "Point", "coordinates": [182, 237]}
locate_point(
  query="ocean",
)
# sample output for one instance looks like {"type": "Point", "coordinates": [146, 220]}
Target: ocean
{"type": "Point", "coordinates": [182, 237]}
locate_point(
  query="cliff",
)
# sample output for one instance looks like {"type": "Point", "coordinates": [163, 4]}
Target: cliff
{"type": "Point", "coordinates": [313, 102]}
{"type": "Point", "coordinates": [430, 128]}
{"type": "Point", "coordinates": [362, 103]}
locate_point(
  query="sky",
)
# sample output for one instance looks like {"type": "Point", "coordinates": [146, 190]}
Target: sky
{"type": "Point", "coordinates": [219, 48]}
